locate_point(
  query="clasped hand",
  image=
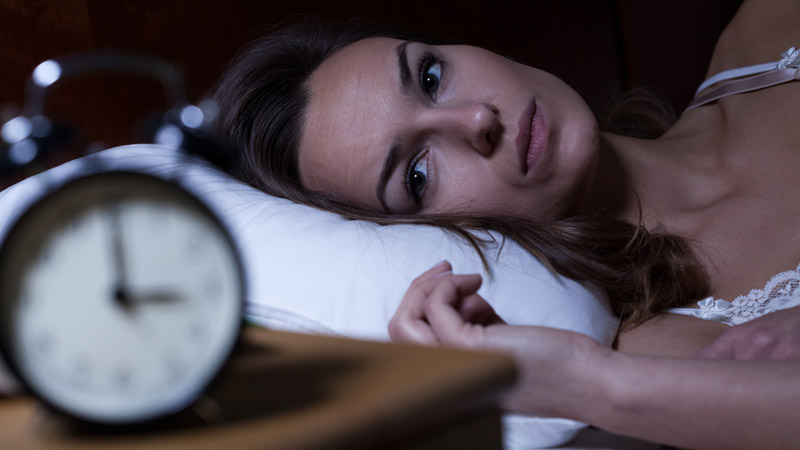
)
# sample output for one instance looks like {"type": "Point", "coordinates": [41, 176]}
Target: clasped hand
{"type": "Point", "coordinates": [441, 307]}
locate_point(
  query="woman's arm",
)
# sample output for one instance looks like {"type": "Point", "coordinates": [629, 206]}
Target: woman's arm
{"type": "Point", "coordinates": [759, 32]}
{"type": "Point", "coordinates": [725, 404]}
{"type": "Point", "coordinates": [696, 403]}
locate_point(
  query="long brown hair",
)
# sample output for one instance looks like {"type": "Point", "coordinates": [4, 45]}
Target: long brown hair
{"type": "Point", "coordinates": [263, 96]}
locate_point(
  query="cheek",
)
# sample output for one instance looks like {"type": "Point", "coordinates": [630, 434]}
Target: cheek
{"type": "Point", "coordinates": [481, 195]}
{"type": "Point", "coordinates": [484, 72]}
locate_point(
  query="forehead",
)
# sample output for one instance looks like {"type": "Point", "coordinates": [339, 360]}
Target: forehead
{"type": "Point", "coordinates": [348, 121]}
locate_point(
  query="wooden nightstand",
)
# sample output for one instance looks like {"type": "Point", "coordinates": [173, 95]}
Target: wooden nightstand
{"type": "Point", "coordinates": [294, 391]}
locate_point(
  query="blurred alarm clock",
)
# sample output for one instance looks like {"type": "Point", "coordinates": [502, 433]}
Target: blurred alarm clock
{"type": "Point", "coordinates": [121, 293]}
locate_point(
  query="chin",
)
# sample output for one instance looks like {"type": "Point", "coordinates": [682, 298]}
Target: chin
{"type": "Point", "coordinates": [579, 151]}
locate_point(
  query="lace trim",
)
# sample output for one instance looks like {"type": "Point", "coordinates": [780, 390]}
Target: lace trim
{"type": "Point", "coordinates": [781, 291]}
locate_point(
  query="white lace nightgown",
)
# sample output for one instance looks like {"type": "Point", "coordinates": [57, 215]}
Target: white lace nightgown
{"type": "Point", "coordinates": [781, 292]}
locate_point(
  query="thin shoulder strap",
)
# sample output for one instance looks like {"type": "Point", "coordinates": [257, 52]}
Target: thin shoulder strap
{"type": "Point", "coordinates": [760, 76]}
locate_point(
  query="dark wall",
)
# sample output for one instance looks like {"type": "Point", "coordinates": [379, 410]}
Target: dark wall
{"type": "Point", "coordinates": [600, 47]}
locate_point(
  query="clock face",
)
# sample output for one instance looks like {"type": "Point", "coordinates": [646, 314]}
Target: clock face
{"type": "Point", "coordinates": [120, 298]}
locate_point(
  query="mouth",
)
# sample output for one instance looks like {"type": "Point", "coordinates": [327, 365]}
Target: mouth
{"type": "Point", "coordinates": [531, 138]}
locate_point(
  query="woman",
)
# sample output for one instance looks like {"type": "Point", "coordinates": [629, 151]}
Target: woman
{"type": "Point", "coordinates": [390, 127]}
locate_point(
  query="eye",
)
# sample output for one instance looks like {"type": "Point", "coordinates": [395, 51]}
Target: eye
{"type": "Point", "coordinates": [417, 177]}
{"type": "Point", "coordinates": [430, 75]}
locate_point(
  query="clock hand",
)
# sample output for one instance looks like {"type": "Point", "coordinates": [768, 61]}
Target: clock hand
{"type": "Point", "coordinates": [155, 296]}
{"type": "Point", "coordinates": [121, 293]}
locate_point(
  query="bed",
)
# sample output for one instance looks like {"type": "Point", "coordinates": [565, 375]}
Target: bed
{"type": "Point", "coordinates": [314, 272]}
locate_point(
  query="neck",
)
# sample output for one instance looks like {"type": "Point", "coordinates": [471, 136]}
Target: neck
{"type": "Point", "coordinates": [658, 180]}
{"type": "Point", "coordinates": [612, 189]}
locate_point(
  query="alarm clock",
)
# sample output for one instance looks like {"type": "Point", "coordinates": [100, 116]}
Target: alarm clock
{"type": "Point", "coordinates": [121, 293]}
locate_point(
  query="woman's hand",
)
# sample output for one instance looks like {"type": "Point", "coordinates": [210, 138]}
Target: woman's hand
{"type": "Point", "coordinates": [443, 308]}
{"type": "Point", "coordinates": [451, 301]}
{"type": "Point", "coordinates": [772, 336]}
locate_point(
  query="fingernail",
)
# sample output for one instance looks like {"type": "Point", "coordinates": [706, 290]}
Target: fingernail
{"type": "Point", "coordinates": [441, 274]}
{"type": "Point", "coordinates": [439, 264]}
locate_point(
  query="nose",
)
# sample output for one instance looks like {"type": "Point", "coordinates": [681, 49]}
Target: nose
{"type": "Point", "coordinates": [475, 124]}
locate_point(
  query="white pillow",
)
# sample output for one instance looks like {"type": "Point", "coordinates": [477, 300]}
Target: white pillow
{"type": "Point", "coordinates": [313, 271]}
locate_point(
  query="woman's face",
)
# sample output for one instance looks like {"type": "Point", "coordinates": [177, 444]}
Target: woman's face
{"type": "Point", "coordinates": [406, 128]}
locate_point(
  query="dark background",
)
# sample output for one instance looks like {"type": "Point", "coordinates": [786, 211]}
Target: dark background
{"type": "Point", "coordinates": [600, 47]}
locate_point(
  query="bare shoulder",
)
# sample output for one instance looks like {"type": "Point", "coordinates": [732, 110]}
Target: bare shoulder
{"type": "Point", "coordinates": [669, 335]}
{"type": "Point", "coordinates": [759, 33]}
{"type": "Point", "coordinates": [762, 119]}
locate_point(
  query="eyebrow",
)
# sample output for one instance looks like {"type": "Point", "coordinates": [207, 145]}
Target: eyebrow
{"type": "Point", "coordinates": [393, 157]}
{"type": "Point", "coordinates": [402, 64]}
{"type": "Point", "coordinates": [388, 167]}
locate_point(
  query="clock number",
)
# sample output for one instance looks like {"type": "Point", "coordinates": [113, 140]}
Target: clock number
{"type": "Point", "coordinates": [44, 343]}
{"type": "Point", "coordinates": [80, 372]}
{"type": "Point", "coordinates": [122, 378]}
{"type": "Point", "coordinates": [176, 369]}
{"type": "Point", "coordinates": [212, 288]}
{"type": "Point", "coordinates": [194, 247]}
{"type": "Point", "coordinates": [198, 332]}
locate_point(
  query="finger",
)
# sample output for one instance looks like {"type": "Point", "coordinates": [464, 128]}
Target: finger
{"type": "Point", "coordinates": [421, 288]}
{"type": "Point", "coordinates": [404, 329]}
{"type": "Point", "coordinates": [441, 310]}
{"type": "Point", "coordinates": [719, 348]}
{"type": "Point", "coordinates": [463, 285]}
{"type": "Point", "coordinates": [408, 323]}
{"type": "Point", "coordinates": [474, 309]}
{"type": "Point", "coordinates": [440, 267]}
{"type": "Point", "coordinates": [418, 283]}
{"type": "Point", "coordinates": [786, 351]}
{"type": "Point", "coordinates": [761, 345]}
{"type": "Point", "coordinates": [413, 303]}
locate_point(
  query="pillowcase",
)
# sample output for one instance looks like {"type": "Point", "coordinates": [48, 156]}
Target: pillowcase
{"type": "Point", "coordinates": [315, 272]}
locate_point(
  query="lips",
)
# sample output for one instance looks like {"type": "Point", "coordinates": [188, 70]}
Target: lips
{"type": "Point", "coordinates": [531, 138]}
